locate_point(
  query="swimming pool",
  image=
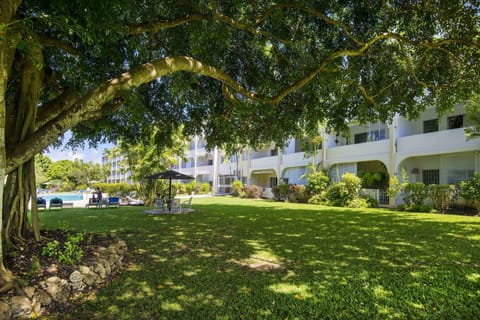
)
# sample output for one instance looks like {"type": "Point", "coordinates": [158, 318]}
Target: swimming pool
{"type": "Point", "coordinates": [63, 196]}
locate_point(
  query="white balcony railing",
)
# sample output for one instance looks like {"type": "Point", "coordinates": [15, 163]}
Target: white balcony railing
{"type": "Point", "coordinates": [359, 152]}
{"type": "Point", "coordinates": [264, 163]}
{"type": "Point", "coordinates": [298, 159]}
{"type": "Point", "coordinates": [446, 141]}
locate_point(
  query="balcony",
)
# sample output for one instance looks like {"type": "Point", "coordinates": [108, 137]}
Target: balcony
{"type": "Point", "coordinates": [445, 141]}
{"type": "Point", "coordinates": [297, 159]}
{"type": "Point", "coordinates": [264, 163]}
{"type": "Point", "coordinates": [367, 151]}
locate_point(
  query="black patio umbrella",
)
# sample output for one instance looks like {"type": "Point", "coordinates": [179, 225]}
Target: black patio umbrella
{"type": "Point", "coordinates": [170, 175]}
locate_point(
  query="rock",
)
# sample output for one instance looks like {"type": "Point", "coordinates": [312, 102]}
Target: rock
{"type": "Point", "coordinates": [76, 278]}
{"type": "Point", "coordinates": [84, 270]}
{"type": "Point", "coordinates": [100, 270]}
{"type": "Point", "coordinates": [90, 278]}
{"type": "Point", "coordinates": [5, 311]}
{"type": "Point", "coordinates": [21, 307]}
{"type": "Point", "coordinates": [58, 288]}
{"type": "Point", "coordinates": [29, 291]}
{"type": "Point", "coordinates": [42, 297]}
{"type": "Point", "coordinates": [52, 269]}
{"type": "Point", "coordinates": [39, 297]}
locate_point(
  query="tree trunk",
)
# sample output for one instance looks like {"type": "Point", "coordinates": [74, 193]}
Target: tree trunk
{"type": "Point", "coordinates": [20, 186]}
{"type": "Point", "coordinates": [7, 12]}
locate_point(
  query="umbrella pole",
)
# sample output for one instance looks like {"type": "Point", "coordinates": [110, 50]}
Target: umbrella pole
{"type": "Point", "coordinates": [170, 195]}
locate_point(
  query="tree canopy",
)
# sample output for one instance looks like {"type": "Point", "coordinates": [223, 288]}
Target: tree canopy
{"type": "Point", "coordinates": [240, 72]}
{"type": "Point", "coordinates": [250, 71]}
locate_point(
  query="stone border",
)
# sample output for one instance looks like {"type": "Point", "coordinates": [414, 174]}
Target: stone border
{"type": "Point", "coordinates": [36, 300]}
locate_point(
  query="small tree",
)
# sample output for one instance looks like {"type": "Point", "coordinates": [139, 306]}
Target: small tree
{"type": "Point", "coordinates": [470, 190]}
{"type": "Point", "coordinates": [237, 187]}
{"type": "Point", "coordinates": [441, 195]}
{"type": "Point", "coordinates": [395, 186]}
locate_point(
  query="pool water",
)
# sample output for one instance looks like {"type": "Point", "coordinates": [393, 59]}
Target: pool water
{"type": "Point", "coordinates": [63, 196]}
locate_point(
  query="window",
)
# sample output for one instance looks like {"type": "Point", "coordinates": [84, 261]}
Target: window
{"type": "Point", "coordinates": [273, 152]}
{"type": "Point", "coordinates": [455, 122]}
{"type": "Point", "coordinates": [456, 176]}
{"type": "Point", "coordinates": [210, 162]}
{"type": "Point", "coordinates": [430, 125]}
{"type": "Point", "coordinates": [298, 145]}
{"type": "Point", "coordinates": [273, 182]}
{"type": "Point", "coordinates": [431, 176]}
{"type": "Point", "coordinates": [360, 138]}
{"type": "Point", "coordinates": [377, 135]}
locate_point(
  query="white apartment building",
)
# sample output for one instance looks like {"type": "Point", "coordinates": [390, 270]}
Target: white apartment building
{"type": "Point", "coordinates": [432, 150]}
{"type": "Point", "coordinates": [118, 169]}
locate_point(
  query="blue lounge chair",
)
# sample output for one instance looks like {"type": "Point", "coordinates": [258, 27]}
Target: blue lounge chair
{"type": "Point", "coordinates": [56, 203]}
{"type": "Point", "coordinates": [41, 203]}
{"type": "Point", "coordinates": [114, 201]}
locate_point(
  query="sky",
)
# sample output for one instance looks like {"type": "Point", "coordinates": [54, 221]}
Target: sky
{"type": "Point", "coordinates": [88, 154]}
{"type": "Point", "coordinates": [93, 155]}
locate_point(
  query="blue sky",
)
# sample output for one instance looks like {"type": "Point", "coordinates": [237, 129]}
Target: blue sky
{"type": "Point", "coordinates": [93, 155]}
{"type": "Point", "coordinates": [87, 154]}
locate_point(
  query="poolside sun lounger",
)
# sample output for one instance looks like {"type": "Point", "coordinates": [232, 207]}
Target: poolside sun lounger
{"type": "Point", "coordinates": [56, 203]}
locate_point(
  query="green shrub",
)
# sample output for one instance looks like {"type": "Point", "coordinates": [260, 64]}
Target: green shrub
{"type": "Point", "coordinates": [337, 195]}
{"type": "Point", "coordinates": [280, 192]}
{"type": "Point", "coordinates": [358, 202]}
{"type": "Point", "coordinates": [371, 202]}
{"type": "Point", "coordinates": [414, 194]}
{"type": "Point", "coordinates": [352, 183]}
{"type": "Point", "coordinates": [205, 187]}
{"type": "Point", "coordinates": [318, 198]}
{"type": "Point", "coordinates": [297, 194]}
{"type": "Point", "coordinates": [237, 187]}
{"type": "Point", "coordinates": [341, 194]}
{"type": "Point", "coordinates": [317, 182]}
{"type": "Point", "coordinates": [420, 208]}
{"type": "Point", "coordinates": [181, 188]}
{"type": "Point", "coordinates": [192, 187]}
{"type": "Point", "coordinates": [442, 196]}
{"type": "Point", "coordinates": [470, 190]}
{"type": "Point", "coordinates": [71, 252]}
{"type": "Point", "coordinates": [373, 180]}
{"type": "Point", "coordinates": [115, 189]}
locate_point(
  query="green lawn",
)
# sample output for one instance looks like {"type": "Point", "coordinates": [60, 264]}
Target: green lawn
{"type": "Point", "coordinates": [255, 259]}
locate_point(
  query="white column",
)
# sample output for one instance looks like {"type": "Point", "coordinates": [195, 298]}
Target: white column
{"type": "Point", "coordinates": [392, 152]}
{"type": "Point", "coordinates": [215, 170]}
{"type": "Point", "coordinates": [195, 147]}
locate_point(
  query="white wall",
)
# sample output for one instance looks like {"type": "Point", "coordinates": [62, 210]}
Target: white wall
{"type": "Point", "coordinates": [294, 175]}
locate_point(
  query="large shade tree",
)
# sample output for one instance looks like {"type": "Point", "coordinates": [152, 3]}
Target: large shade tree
{"type": "Point", "coordinates": [241, 72]}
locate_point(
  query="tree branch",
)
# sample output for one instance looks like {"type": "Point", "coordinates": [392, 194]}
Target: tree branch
{"type": "Point", "coordinates": [164, 24]}
{"type": "Point", "coordinates": [52, 42]}
{"type": "Point", "coordinates": [54, 108]}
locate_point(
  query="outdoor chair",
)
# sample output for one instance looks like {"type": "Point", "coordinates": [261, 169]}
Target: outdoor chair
{"type": "Point", "coordinates": [175, 206]}
{"type": "Point", "coordinates": [114, 201]}
{"type": "Point", "coordinates": [56, 203]}
{"type": "Point", "coordinates": [92, 202]}
{"type": "Point", "coordinates": [187, 204]}
{"type": "Point", "coordinates": [158, 205]}
{"type": "Point", "coordinates": [41, 203]}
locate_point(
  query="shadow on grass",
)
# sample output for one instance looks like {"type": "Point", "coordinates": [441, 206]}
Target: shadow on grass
{"type": "Point", "coordinates": [237, 259]}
